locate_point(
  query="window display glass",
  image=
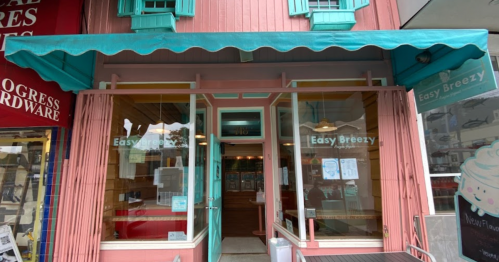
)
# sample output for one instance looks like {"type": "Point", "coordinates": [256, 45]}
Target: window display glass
{"type": "Point", "coordinates": [340, 163]}
{"type": "Point", "coordinates": [443, 189]}
{"type": "Point", "coordinates": [454, 132]}
{"type": "Point", "coordinates": [23, 169]}
{"type": "Point", "coordinates": [147, 178]}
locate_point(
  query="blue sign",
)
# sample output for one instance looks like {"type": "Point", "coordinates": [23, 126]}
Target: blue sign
{"type": "Point", "coordinates": [474, 77]}
{"type": "Point", "coordinates": [179, 204]}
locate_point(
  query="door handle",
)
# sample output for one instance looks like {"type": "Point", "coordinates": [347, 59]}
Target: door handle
{"type": "Point", "coordinates": [211, 207]}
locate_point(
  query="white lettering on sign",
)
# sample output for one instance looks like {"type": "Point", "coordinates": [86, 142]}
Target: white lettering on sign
{"type": "Point", "coordinates": [31, 101]}
{"type": "Point", "coordinates": [474, 78]}
{"type": "Point", "coordinates": [17, 18]}
{"type": "Point", "coordinates": [343, 141]}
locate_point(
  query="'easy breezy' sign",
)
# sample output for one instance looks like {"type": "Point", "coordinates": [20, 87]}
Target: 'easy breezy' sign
{"type": "Point", "coordinates": [474, 77]}
{"type": "Point", "coordinates": [343, 141]}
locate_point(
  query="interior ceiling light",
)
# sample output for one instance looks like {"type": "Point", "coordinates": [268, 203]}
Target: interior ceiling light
{"type": "Point", "coordinates": [199, 134]}
{"type": "Point", "coordinates": [324, 125]}
{"type": "Point", "coordinates": [161, 130]}
{"type": "Point", "coordinates": [203, 143]}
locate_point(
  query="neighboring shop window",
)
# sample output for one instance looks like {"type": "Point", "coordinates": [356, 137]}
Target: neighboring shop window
{"type": "Point", "coordinates": [340, 163]}
{"type": "Point", "coordinates": [453, 133]}
{"type": "Point", "coordinates": [23, 168]}
{"type": "Point", "coordinates": [147, 179]}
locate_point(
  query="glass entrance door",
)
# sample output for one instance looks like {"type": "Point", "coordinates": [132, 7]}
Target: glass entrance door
{"type": "Point", "coordinates": [215, 201]}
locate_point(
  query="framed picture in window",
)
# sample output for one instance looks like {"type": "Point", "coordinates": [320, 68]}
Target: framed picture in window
{"type": "Point", "coordinates": [260, 181]}
{"type": "Point", "coordinates": [248, 181]}
{"type": "Point", "coordinates": [232, 182]}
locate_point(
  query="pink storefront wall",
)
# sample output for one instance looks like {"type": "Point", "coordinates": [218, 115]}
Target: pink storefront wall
{"type": "Point", "coordinates": [199, 253]}
{"type": "Point", "coordinates": [240, 16]}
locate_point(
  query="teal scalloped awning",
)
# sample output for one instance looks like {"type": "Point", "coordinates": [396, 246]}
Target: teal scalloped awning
{"type": "Point", "coordinates": [69, 59]}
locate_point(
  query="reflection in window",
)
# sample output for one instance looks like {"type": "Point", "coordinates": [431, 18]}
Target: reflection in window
{"type": "Point", "coordinates": [146, 186]}
{"type": "Point", "coordinates": [341, 167]}
{"type": "Point", "coordinates": [23, 168]}
{"type": "Point", "coordinates": [454, 132]}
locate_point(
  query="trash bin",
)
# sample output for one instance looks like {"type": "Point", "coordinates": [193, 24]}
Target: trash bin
{"type": "Point", "coordinates": [280, 250]}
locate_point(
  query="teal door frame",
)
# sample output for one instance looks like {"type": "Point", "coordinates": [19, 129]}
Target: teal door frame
{"type": "Point", "coordinates": [215, 201]}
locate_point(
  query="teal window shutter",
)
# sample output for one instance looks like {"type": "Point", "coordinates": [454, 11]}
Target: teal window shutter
{"type": "Point", "coordinates": [185, 8]}
{"type": "Point", "coordinates": [298, 7]}
{"type": "Point", "coordinates": [358, 4]}
{"type": "Point", "coordinates": [126, 7]}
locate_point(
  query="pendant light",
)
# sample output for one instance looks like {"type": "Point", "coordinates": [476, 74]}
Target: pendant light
{"type": "Point", "coordinates": [161, 130]}
{"type": "Point", "coordinates": [324, 125]}
{"type": "Point", "coordinates": [199, 134]}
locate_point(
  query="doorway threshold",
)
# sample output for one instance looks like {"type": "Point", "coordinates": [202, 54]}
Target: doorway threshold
{"type": "Point", "coordinates": [243, 245]}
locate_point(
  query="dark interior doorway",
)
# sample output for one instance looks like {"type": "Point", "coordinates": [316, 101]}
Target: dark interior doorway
{"type": "Point", "coordinates": [242, 166]}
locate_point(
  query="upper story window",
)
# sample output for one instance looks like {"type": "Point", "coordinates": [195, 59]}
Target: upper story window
{"type": "Point", "coordinates": [159, 6]}
{"type": "Point", "coordinates": [327, 14]}
{"type": "Point", "coordinates": [155, 15]}
{"type": "Point", "coordinates": [323, 4]}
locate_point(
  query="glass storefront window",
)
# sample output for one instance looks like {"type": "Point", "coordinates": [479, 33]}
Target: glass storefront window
{"type": "Point", "coordinates": [340, 164]}
{"type": "Point", "coordinates": [147, 178]}
{"type": "Point", "coordinates": [443, 189]}
{"type": "Point", "coordinates": [23, 169]}
{"type": "Point", "coordinates": [453, 133]}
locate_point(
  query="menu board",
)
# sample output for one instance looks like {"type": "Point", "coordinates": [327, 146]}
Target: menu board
{"type": "Point", "coordinates": [478, 235]}
{"type": "Point", "coordinates": [260, 181]}
{"type": "Point", "coordinates": [232, 181]}
{"type": "Point", "coordinates": [349, 168]}
{"type": "Point", "coordinates": [248, 181]}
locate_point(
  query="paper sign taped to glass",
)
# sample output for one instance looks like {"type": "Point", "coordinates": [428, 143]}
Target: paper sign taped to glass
{"type": "Point", "coordinates": [179, 204]}
{"type": "Point", "coordinates": [8, 247]}
{"type": "Point", "coordinates": [349, 168]}
{"type": "Point", "coordinates": [330, 168]}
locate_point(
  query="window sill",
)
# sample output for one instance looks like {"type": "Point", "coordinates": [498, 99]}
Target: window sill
{"type": "Point", "coordinates": [150, 244]}
{"type": "Point", "coordinates": [150, 23]}
{"type": "Point", "coordinates": [327, 20]}
{"type": "Point", "coordinates": [330, 243]}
